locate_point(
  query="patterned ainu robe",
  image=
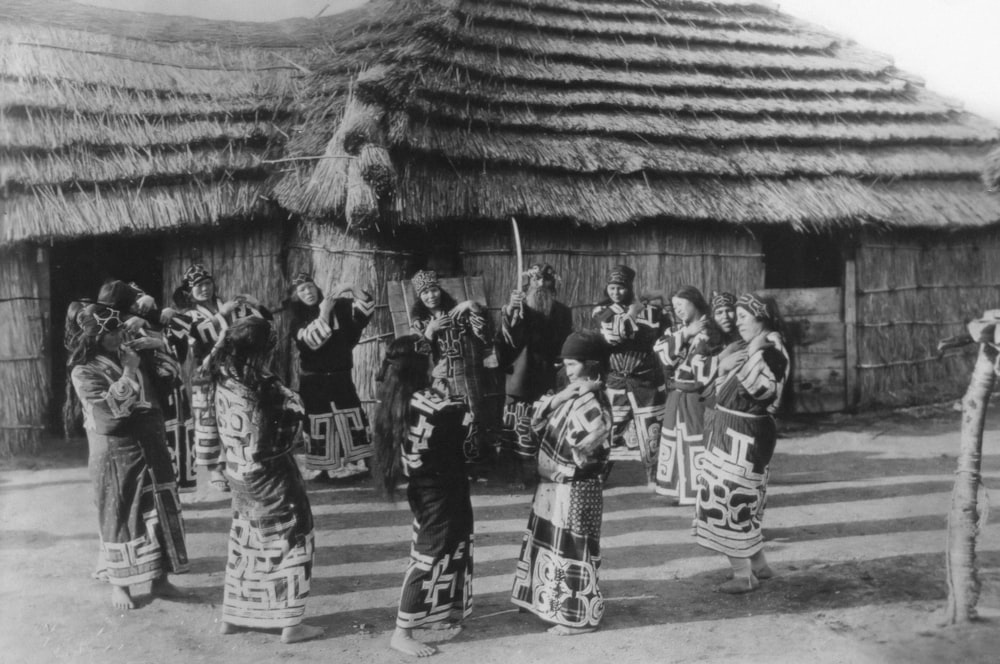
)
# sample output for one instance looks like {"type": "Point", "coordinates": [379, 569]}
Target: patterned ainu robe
{"type": "Point", "coordinates": [690, 366]}
{"type": "Point", "coordinates": [271, 541]}
{"type": "Point", "coordinates": [556, 575]}
{"type": "Point", "coordinates": [733, 470]}
{"type": "Point", "coordinates": [138, 508]}
{"type": "Point", "coordinates": [458, 353]}
{"type": "Point", "coordinates": [199, 328]}
{"type": "Point", "coordinates": [635, 381]}
{"type": "Point", "coordinates": [438, 581]}
{"type": "Point", "coordinates": [528, 346]}
{"type": "Point", "coordinates": [337, 430]}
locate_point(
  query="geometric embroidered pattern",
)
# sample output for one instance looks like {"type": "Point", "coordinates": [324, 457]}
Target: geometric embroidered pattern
{"type": "Point", "coordinates": [138, 560]}
{"type": "Point", "coordinates": [336, 438]}
{"type": "Point", "coordinates": [267, 576]}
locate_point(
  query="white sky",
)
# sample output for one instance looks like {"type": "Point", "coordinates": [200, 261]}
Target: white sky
{"type": "Point", "coordinates": [953, 44]}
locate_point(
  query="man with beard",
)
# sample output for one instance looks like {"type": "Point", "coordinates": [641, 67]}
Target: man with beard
{"type": "Point", "coordinates": [533, 327]}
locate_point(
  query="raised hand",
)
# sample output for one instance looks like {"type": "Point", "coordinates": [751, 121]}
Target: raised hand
{"type": "Point", "coordinates": [128, 357]}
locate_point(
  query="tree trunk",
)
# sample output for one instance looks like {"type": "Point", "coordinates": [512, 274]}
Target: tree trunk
{"type": "Point", "coordinates": [963, 520]}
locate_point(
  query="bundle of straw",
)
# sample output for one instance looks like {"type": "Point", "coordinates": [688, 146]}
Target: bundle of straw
{"type": "Point", "coordinates": [362, 204]}
{"type": "Point", "coordinates": [376, 169]}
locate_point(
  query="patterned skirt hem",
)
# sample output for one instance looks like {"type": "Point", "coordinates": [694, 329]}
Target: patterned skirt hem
{"type": "Point", "coordinates": [261, 623]}
{"type": "Point", "coordinates": [705, 540]}
{"type": "Point", "coordinates": [453, 613]}
{"type": "Point", "coordinates": [549, 618]}
{"type": "Point", "coordinates": [134, 579]}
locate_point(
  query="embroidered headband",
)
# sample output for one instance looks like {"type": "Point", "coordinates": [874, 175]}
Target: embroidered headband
{"type": "Point", "coordinates": [302, 278]}
{"type": "Point", "coordinates": [622, 275]}
{"type": "Point", "coordinates": [424, 279]}
{"type": "Point", "coordinates": [542, 271]}
{"type": "Point", "coordinates": [194, 274]}
{"type": "Point", "coordinates": [723, 299]}
{"type": "Point", "coordinates": [753, 304]}
{"type": "Point", "coordinates": [106, 318]}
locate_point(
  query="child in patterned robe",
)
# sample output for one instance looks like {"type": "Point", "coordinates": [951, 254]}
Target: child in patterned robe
{"type": "Point", "coordinates": [421, 431]}
{"type": "Point", "coordinates": [556, 576]}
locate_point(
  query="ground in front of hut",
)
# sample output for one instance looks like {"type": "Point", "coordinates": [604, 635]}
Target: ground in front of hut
{"type": "Point", "coordinates": [856, 534]}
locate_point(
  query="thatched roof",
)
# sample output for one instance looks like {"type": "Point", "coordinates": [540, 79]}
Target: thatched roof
{"type": "Point", "coordinates": [418, 111]}
{"type": "Point", "coordinates": [113, 120]}
{"type": "Point", "coordinates": [615, 112]}
{"type": "Point", "coordinates": [992, 174]}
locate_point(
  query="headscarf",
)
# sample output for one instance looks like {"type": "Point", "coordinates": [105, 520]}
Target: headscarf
{"type": "Point", "coordinates": [756, 307]}
{"type": "Point", "coordinates": [723, 299]}
{"type": "Point", "coordinates": [195, 274]}
{"type": "Point", "coordinates": [622, 275]}
{"type": "Point", "coordinates": [302, 278]}
{"type": "Point", "coordinates": [423, 280]}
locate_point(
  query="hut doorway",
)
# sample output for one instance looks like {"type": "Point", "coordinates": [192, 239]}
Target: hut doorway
{"type": "Point", "coordinates": [805, 274]}
{"type": "Point", "coordinates": [78, 268]}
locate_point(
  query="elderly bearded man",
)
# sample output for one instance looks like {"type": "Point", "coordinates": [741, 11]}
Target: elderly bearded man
{"type": "Point", "coordinates": [533, 327]}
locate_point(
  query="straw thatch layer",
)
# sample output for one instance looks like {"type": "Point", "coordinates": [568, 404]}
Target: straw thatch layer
{"type": "Point", "coordinates": [991, 176]}
{"type": "Point", "coordinates": [54, 212]}
{"type": "Point", "coordinates": [590, 154]}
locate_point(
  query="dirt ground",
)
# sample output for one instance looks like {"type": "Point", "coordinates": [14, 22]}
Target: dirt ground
{"type": "Point", "coordinates": [855, 527]}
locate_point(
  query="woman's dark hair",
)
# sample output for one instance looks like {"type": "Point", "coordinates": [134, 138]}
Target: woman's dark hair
{"type": "Point", "coordinates": [594, 369]}
{"type": "Point", "coordinates": [82, 341]}
{"type": "Point", "coordinates": [405, 372]}
{"type": "Point", "coordinates": [118, 295]}
{"type": "Point", "coordinates": [694, 296]}
{"type": "Point", "coordinates": [419, 310]}
{"type": "Point", "coordinates": [245, 354]}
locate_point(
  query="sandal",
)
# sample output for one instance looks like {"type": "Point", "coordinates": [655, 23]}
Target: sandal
{"type": "Point", "coordinates": [218, 480]}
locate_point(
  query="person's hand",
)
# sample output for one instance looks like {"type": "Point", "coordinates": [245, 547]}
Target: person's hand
{"type": "Point", "coordinates": [490, 361]}
{"type": "Point", "coordinates": [145, 304]}
{"type": "Point", "coordinates": [326, 306]}
{"type": "Point", "coordinates": [147, 343]}
{"type": "Point", "coordinates": [134, 324]}
{"type": "Point", "coordinates": [229, 306]}
{"type": "Point", "coordinates": [343, 289]}
{"type": "Point", "coordinates": [733, 360]}
{"type": "Point", "coordinates": [516, 299]}
{"type": "Point", "coordinates": [693, 329]}
{"type": "Point", "coordinates": [246, 298]}
{"type": "Point", "coordinates": [437, 324]}
{"type": "Point", "coordinates": [128, 357]}
{"type": "Point", "coordinates": [166, 315]}
{"type": "Point", "coordinates": [461, 308]}
{"type": "Point", "coordinates": [635, 309]}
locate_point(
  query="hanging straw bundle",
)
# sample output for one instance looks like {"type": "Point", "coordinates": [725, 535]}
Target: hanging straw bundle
{"type": "Point", "coordinates": [376, 169]}
{"type": "Point", "coordinates": [362, 204]}
{"type": "Point", "coordinates": [361, 125]}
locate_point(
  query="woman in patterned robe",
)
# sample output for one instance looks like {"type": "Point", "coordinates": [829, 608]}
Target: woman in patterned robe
{"type": "Point", "coordinates": [326, 330]}
{"type": "Point", "coordinates": [635, 381]}
{"type": "Point", "coordinates": [556, 576]}
{"type": "Point", "coordinates": [732, 479]}
{"type": "Point", "coordinates": [421, 431]}
{"type": "Point", "coordinates": [145, 320]}
{"type": "Point", "coordinates": [271, 541]}
{"type": "Point", "coordinates": [199, 322]}
{"type": "Point", "coordinates": [142, 532]}
{"type": "Point", "coordinates": [461, 347]}
{"type": "Point", "coordinates": [688, 358]}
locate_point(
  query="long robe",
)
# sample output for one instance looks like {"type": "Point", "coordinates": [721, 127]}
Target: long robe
{"type": "Point", "coordinates": [733, 471]}
{"type": "Point", "coordinates": [690, 366]}
{"type": "Point", "coordinates": [635, 382]}
{"type": "Point", "coordinates": [138, 508]}
{"type": "Point", "coordinates": [556, 576]}
{"type": "Point", "coordinates": [200, 327]}
{"type": "Point", "coordinates": [528, 346]}
{"type": "Point", "coordinates": [271, 540]}
{"type": "Point", "coordinates": [438, 580]}
{"type": "Point", "coordinates": [337, 433]}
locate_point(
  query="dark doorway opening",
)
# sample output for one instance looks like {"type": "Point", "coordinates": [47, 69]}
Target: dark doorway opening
{"type": "Point", "coordinates": [802, 260]}
{"type": "Point", "coordinates": [78, 268]}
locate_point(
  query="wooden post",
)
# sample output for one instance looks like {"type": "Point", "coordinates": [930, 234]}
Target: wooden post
{"type": "Point", "coordinates": [851, 332]}
{"type": "Point", "coordinates": [963, 519]}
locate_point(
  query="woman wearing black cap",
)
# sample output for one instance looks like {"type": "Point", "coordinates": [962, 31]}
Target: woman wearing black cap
{"type": "Point", "coordinates": [199, 322]}
{"type": "Point", "coordinates": [688, 357]}
{"type": "Point", "coordinates": [142, 533]}
{"type": "Point", "coordinates": [556, 577]}
{"type": "Point", "coordinates": [635, 381]}
{"type": "Point", "coordinates": [326, 329]}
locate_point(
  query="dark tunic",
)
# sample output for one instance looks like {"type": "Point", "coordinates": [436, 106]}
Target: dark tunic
{"type": "Point", "coordinates": [438, 581]}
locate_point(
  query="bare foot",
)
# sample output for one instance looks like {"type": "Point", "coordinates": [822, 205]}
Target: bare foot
{"type": "Point", "coordinates": [563, 630]}
{"type": "Point", "coordinates": [300, 632]}
{"type": "Point", "coordinates": [121, 599]}
{"type": "Point", "coordinates": [218, 479]}
{"type": "Point", "coordinates": [403, 642]}
{"type": "Point", "coordinates": [227, 628]}
{"type": "Point", "coordinates": [162, 587]}
{"type": "Point", "coordinates": [444, 625]}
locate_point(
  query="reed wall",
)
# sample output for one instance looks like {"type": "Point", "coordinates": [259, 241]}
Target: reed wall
{"type": "Point", "coordinates": [913, 290]}
{"type": "Point", "coordinates": [24, 358]}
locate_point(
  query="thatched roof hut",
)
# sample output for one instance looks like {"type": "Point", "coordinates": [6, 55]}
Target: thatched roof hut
{"type": "Point", "coordinates": [696, 139]}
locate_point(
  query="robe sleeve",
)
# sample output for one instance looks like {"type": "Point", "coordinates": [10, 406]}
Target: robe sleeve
{"type": "Point", "coordinates": [104, 400]}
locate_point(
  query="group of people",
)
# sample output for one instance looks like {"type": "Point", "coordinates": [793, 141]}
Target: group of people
{"type": "Point", "coordinates": [692, 387]}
